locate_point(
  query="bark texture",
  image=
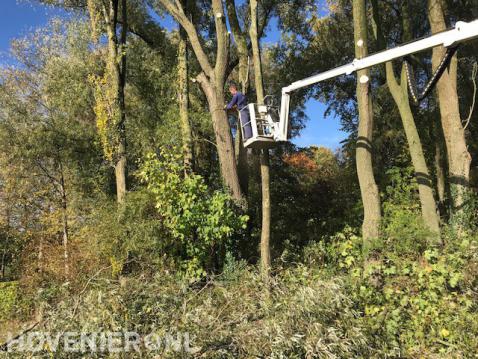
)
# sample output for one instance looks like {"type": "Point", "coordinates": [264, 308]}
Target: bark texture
{"type": "Point", "coordinates": [266, 214]}
{"type": "Point", "coordinates": [117, 67]}
{"type": "Point", "coordinates": [459, 159]}
{"type": "Point", "coordinates": [368, 186]}
{"type": "Point", "coordinates": [222, 131]}
{"type": "Point", "coordinates": [425, 187]}
{"type": "Point", "coordinates": [399, 92]}
{"type": "Point", "coordinates": [65, 228]}
{"type": "Point", "coordinates": [264, 155]}
{"type": "Point", "coordinates": [242, 161]}
{"type": "Point", "coordinates": [240, 40]}
{"type": "Point", "coordinates": [440, 163]}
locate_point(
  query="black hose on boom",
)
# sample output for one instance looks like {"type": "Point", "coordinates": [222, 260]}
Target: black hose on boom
{"type": "Point", "coordinates": [445, 61]}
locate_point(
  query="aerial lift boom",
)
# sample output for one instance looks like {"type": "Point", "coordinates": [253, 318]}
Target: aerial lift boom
{"type": "Point", "coordinates": [267, 129]}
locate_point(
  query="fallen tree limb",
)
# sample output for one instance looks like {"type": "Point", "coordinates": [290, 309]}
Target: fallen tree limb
{"type": "Point", "coordinates": [4, 346]}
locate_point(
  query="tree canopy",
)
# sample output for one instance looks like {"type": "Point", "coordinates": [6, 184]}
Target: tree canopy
{"type": "Point", "coordinates": [127, 198]}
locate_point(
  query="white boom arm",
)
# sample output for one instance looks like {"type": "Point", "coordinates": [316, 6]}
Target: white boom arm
{"type": "Point", "coordinates": [463, 31]}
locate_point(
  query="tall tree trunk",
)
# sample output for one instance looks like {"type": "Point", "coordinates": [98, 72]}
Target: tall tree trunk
{"type": "Point", "coordinates": [399, 93]}
{"type": "Point", "coordinates": [40, 254]}
{"type": "Point", "coordinates": [243, 55]}
{"type": "Point", "coordinates": [4, 254]}
{"type": "Point", "coordinates": [266, 214]}
{"type": "Point", "coordinates": [265, 162]}
{"type": "Point", "coordinates": [242, 160]}
{"type": "Point", "coordinates": [440, 174]}
{"type": "Point", "coordinates": [241, 45]}
{"type": "Point", "coordinates": [120, 172]}
{"type": "Point", "coordinates": [183, 96]}
{"type": "Point", "coordinates": [120, 167]}
{"type": "Point", "coordinates": [225, 147]}
{"type": "Point", "coordinates": [65, 231]}
{"type": "Point", "coordinates": [212, 79]}
{"type": "Point", "coordinates": [425, 188]}
{"type": "Point", "coordinates": [66, 257]}
{"type": "Point", "coordinates": [6, 223]}
{"type": "Point", "coordinates": [241, 151]}
{"type": "Point", "coordinates": [459, 159]}
{"type": "Point", "coordinates": [117, 70]}
{"type": "Point", "coordinates": [439, 167]}
{"type": "Point", "coordinates": [368, 186]}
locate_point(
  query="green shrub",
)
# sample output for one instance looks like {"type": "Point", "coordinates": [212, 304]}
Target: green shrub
{"type": "Point", "coordinates": [415, 300]}
{"type": "Point", "coordinates": [200, 220]}
{"type": "Point", "coordinates": [8, 299]}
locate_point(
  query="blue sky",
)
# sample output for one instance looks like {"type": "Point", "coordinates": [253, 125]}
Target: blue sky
{"type": "Point", "coordinates": [18, 18]}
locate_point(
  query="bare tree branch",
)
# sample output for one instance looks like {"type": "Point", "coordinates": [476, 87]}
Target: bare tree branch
{"type": "Point", "coordinates": [263, 21]}
{"type": "Point", "coordinates": [4, 346]}
{"type": "Point", "coordinates": [237, 32]}
{"type": "Point", "coordinates": [177, 11]}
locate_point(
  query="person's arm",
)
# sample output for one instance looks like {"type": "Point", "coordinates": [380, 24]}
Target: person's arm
{"type": "Point", "coordinates": [233, 102]}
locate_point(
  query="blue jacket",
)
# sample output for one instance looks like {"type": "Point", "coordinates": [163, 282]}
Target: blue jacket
{"type": "Point", "coordinates": [239, 100]}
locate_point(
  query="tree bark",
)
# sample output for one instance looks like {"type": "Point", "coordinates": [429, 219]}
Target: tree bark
{"type": "Point", "coordinates": [440, 172]}
{"type": "Point", "coordinates": [399, 92]}
{"type": "Point", "coordinates": [264, 160]}
{"type": "Point", "coordinates": [256, 53]}
{"type": "Point", "coordinates": [368, 186]}
{"type": "Point", "coordinates": [242, 160]}
{"type": "Point", "coordinates": [459, 159]}
{"type": "Point", "coordinates": [241, 44]}
{"type": "Point", "coordinates": [425, 188]}
{"type": "Point", "coordinates": [65, 230]}
{"type": "Point", "coordinates": [120, 172]}
{"type": "Point", "coordinates": [225, 147]}
{"type": "Point", "coordinates": [117, 67]}
{"type": "Point", "coordinates": [183, 97]}
{"type": "Point", "coordinates": [212, 81]}
{"type": "Point", "coordinates": [266, 214]}
{"type": "Point", "coordinates": [243, 55]}
{"type": "Point", "coordinates": [40, 255]}
{"type": "Point", "coordinates": [4, 254]}
{"type": "Point", "coordinates": [120, 168]}
{"type": "Point", "coordinates": [66, 256]}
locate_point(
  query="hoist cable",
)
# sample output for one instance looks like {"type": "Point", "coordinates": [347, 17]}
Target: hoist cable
{"type": "Point", "coordinates": [445, 61]}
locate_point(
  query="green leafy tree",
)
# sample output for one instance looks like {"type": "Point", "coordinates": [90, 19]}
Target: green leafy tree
{"type": "Point", "coordinates": [200, 220]}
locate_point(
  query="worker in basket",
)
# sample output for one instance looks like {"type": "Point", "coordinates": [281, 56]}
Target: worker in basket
{"type": "Point", "coordinates": [239, 102]}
